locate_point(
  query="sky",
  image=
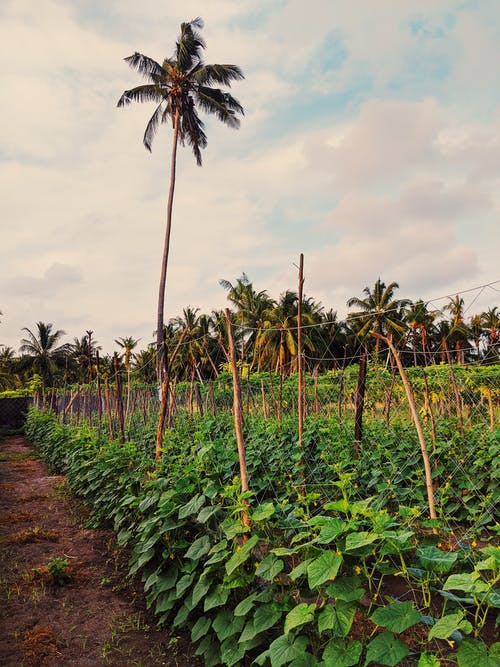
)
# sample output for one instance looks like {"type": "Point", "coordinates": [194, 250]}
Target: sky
{"type": "Point", "coordinates": [370, 143]}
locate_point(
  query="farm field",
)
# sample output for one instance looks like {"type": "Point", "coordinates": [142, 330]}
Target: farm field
{"type": "Point", "coordinates": [330, 557]}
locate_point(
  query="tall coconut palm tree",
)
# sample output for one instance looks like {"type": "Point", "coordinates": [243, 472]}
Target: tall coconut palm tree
{"type": "Point", "coordinates": [379, 311]}
{"type": "Point", "coordinates": [420, 320]}
{"type": "Point", "coordinates": [41, 352]}
{"type": "Point", "coordinates": [83, 352]}
{"type": "Point", "coordinates": [127, 344]}
{"type": "Point", "coordinates": [7, 368]}
{"type": "Point", "coordinates": [179, 87]}
{"type": "Point", "coordinates": [145, 365]}
{"type": "Point", "coordinates": [277, 338]}
{"type": "Point", "coordinates": [252, 307]}
{"type": "Point", "coordinates": [490, 323]}
{"type": "Point", "coordinates": [459, 332]}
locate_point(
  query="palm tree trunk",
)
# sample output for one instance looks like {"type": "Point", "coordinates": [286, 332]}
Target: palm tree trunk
{"type": "Point", "coordinates": [160, 334]}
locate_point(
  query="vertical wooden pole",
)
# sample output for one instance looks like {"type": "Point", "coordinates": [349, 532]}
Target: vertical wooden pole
{"type": "Point", "coordinates": [299, 355]}
{"type": "Point", "coordinates": [99, 396]}
{"type": "Point", "coordinates": [360, 401]}
{"type": "Point", "coordinates": [238, 415]}
{"type": "Point", "coordinates": [119, 406]}
{"type": "Point", "coordinates": [418, 427]}
{"type": "Point", "coordinates": [107, 399]}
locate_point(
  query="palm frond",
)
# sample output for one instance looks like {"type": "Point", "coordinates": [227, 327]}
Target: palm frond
{"type": "Point", "coordinates": [144, 65]}
{"type": "Point", "coordinates": [152, 126]}
{"type": "Point", "coordinates": [220, 74]}
{"type": "Point", "coordinates": [189, 45]}
{"type": "Point", "coordinates": [221, 104]}
{"type": "Point", "coordinates": [192, 128]}
{"type": "Point", "coordinates": [146, 93]}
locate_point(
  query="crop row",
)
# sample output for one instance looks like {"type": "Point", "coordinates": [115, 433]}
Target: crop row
{"type": "Point", "coordinates": [336, 564]}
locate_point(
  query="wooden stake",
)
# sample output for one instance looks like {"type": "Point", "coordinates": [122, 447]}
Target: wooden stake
{"type": "Point", "coordinates": [238, 416]}
{"type": "Point", "coordinates": [416, 421]}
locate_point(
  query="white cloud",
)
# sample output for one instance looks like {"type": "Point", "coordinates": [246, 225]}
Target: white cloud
{"type": "Point", "coordinates": [368, 164]}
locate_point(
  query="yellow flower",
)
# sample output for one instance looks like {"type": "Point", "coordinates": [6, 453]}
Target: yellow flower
{"type": "Point", "coordinates": [357, 569]}
{"type": "Point", "coordinates": [473, 544]}
{"type": "Point", "coordinates": [451, 642]}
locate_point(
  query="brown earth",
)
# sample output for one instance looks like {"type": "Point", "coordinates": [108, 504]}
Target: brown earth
{"type": "Point", "coordinates": [80, 610]}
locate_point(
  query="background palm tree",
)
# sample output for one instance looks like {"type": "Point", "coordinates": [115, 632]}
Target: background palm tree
{"type": "Point", "coordinates": [459, 332]}
{"type": "Point", "coordinates": [128, 345]}
{"type": "Point", "coordinates": [83, 353]}
{"type": "Point", "coordinates": [421, 321]}
{"type": "Point", "coordinates": [178, 86]}
{"type": "Point", "coordinates": [252, 307]}
{"type": "Point", "coordinates": [8, 376]}
{"type": "Point", "coordinates": [379, 311]}
{"type": "Point", "coordinates": [41, 354]}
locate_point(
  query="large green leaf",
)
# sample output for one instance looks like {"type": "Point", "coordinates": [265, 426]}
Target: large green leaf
{"type": "Point", "coordinates": [245, 605]}
{"type": "Point", "coordinates": [285, 649]}
{"type": "Point", "coordinates": [226, 625]}
{"type": "Point", "coordinates": [209, 648]}
{"type": "Point", "coordinates": [199, 548]}
{"type": "Point", "coordinates": [265, 617]}
{"type": "Point", "coordinates": [433, 559]}
{"type": "Point", "coordinates": [233, 527]}
{"type": "Point", "coordinates": [270, 567]}
{"type": "Point", "coordinates": [192, 507]}
{"type": "Point", "coordinates": [461, 582]}
{"type": "Point", "coordinates": [331, 529]}
{"type": "Point", "coordinates": [339, 654]}
{"type": "Point", "coordinates": [337, 617]}
{"type": "Point", "coordinates": [386, 649]}
{"type": "Point", "coordinates": [262, 512]}
{"type": "Point", "coordinates": [323, 568]}
{"type": "Point", "coordinates": [473, 653]}
{"type": "Point", "coordinates": [200, 589]}
{"type": "Point", "coordinates": [449, 624]}
{"type": "Point", "coordinates": [200, 628]}
{"type": "Point", "coordinates": [300, 569]}
{"type": "Point", "coordinates": [183, 584]}
{"type": "Point", "coordinates": [427, 660]}
{"type": "Point", "coordinates": [396, 617]}
{"type": "Point", "coordinates": [241, 554]}
{"type": "Point", "coordinates": [216, 598]}
{"type": "Point", "coordinates": [231, 651]}
{"type": "Point", "coordinates": [300, 615]}
{"type": "Point", "coordinates": [346, 588]}
{"type": "Point", "coordinates": [356, 541]}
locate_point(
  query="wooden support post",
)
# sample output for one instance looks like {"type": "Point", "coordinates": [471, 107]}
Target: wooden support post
{"type": "Point", "coordinates": [416, 421]}
{"type": "Point", "coordinates": [238, 415]}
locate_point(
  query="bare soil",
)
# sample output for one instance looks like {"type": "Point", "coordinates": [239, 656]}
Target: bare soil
{"type": "Point", "coordinates": [81, 610]}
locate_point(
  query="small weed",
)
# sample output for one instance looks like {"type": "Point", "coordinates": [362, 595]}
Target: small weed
{"type": "Point", "coordinates": [58, 570]}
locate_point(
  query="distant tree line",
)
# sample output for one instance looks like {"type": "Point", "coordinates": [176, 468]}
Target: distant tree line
{"type": "Point", "coordinates": [265, 330]}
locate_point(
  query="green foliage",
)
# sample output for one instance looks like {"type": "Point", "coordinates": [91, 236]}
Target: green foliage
{"type": "Point", "coordinates": [58, 570]}
{"type": "Point", "coordinates": [291, 588]}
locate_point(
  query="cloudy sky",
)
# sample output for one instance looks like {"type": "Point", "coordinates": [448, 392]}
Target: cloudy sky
{"type": "Point", "coordinates": [370, 142]}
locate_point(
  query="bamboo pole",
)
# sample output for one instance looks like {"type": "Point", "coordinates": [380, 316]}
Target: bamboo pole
{"type": "Point", "coordinates": [416, 421]}
{"type": "Point", "coordinates": [299, 356]}
{"type": "Point", "coordinates": [238, 416]}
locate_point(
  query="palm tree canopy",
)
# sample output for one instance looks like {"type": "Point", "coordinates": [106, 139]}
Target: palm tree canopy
{"type": "Point", "coordinates": [181, 84]}
{"type": "Point", "coordinates": [41, 351]}
{"type": "Point", "coordinates": [379, 310]}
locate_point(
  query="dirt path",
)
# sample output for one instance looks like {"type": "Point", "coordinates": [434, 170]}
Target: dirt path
{"type": "Point", "coordinates": [91, 619]}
